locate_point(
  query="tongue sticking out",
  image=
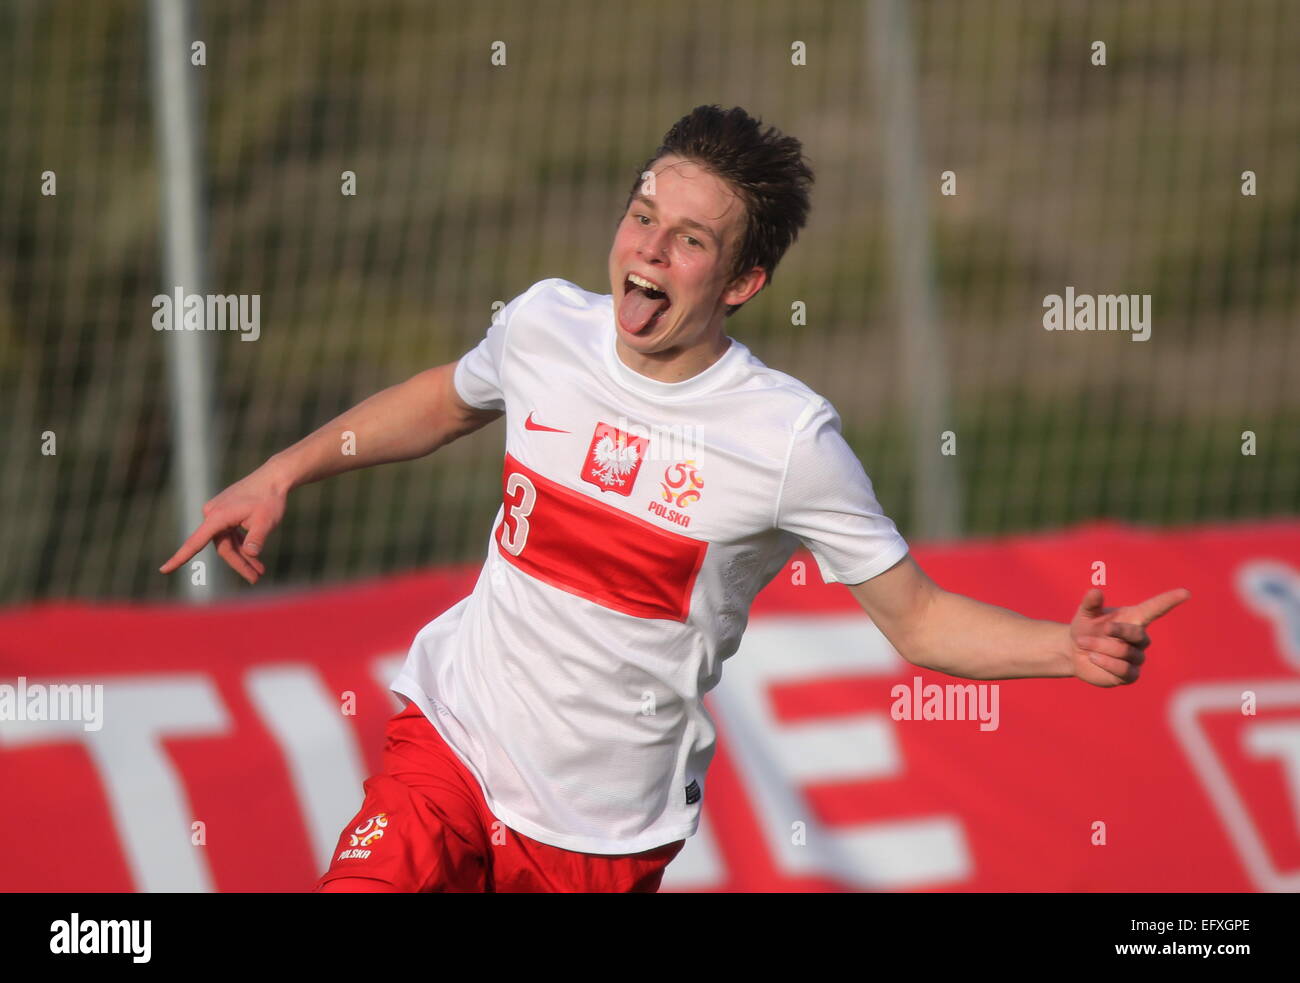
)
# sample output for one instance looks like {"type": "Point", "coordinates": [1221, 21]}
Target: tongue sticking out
{"type": "Point", "coordinates": [637, 310]}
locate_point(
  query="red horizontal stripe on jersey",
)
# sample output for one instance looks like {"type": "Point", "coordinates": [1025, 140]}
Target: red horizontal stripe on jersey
{"type": "Point", "coordinates": [596, 551]}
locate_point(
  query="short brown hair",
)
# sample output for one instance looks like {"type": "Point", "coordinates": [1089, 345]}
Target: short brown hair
{"type": "Point", "coordinates": [766, 170]}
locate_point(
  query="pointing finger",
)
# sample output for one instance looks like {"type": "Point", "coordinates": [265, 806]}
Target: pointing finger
{"type": "Point", "coordinates": [1160, 605]}
{"type": "Point", "coordinates": [198, 539]}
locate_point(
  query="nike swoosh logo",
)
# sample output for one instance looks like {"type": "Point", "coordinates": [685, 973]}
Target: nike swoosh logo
{"type": "Point", "coordinates": [530, 425]}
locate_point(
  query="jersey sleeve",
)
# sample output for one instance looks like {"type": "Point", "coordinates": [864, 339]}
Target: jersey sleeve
{"type": "Point", "coordinates": [827, 501]}
{"type": "Point", "coordinates": [480, 374]}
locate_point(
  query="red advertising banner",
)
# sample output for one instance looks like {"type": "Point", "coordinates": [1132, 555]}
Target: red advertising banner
{"type": "Point", "coordinates": [147, 748]}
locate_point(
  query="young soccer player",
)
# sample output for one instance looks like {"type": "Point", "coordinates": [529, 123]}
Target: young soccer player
{"type": "Point", "coordinates": [656, 476]}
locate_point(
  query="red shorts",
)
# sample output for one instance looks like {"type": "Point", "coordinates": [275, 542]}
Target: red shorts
{"type": "Point", "coordinates": [425, 827]}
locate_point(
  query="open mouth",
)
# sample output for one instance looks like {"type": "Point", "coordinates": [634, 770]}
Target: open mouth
{"type": "Point", "coordinates": [635, 282]}
{"type": "Point", "coordinates": [643, 304]}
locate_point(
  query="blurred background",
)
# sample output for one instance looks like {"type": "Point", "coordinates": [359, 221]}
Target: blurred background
{"type": "Point", "coordinates": [1117, 148]}
{"type": "Point", "coordinates": [474, 180]}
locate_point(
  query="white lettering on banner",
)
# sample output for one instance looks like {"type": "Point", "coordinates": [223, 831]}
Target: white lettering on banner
{"type": "Point", "coordinates": [152, 815]}
{"type": "Point", "coordinates": [1279, 740]}
{"type": "Point", "coordinates": [145, 793]}
{"type": "Point", "coordinates": [774, 757]}
{"type": "Point", "coordinates": [320, 749]}
{"type": "Point", "coordinates": [1272, 590]}
{"type": "Point", "coordinates": [1190, 710]}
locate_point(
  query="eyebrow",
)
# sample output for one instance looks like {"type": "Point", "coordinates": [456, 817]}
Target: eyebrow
{"type": "Point", "coordinates": [690, 223]}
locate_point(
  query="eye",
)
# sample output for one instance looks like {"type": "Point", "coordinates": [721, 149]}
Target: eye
{"type": "Point", "coordinates": [640, 217]}
{"type": "Point", "coordinates": [694, 241]}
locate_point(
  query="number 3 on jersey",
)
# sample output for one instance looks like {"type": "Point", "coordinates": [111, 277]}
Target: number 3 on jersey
{"type": "Point", "coordinates": [514, 534]}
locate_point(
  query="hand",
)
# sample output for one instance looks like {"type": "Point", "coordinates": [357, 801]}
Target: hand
{"type": "Point", "coordinates": [1108, 645]}
{"type": "Point", "coordinates": [238, 520]}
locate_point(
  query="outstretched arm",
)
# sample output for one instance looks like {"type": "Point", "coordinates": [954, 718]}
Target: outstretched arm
{"type": "Point", "coordinates": [402, 422]}
{"type": "Point", "coordinates": [405, 421]}
{"type": "Point", "coordinates": [937, 629]}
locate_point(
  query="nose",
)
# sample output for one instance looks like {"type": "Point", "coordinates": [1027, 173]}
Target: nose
{"type": "Point", "coordinates": [652, 245]}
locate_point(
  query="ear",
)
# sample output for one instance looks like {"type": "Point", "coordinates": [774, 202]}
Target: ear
{"type": "Point", "coordinates": [745, 286]}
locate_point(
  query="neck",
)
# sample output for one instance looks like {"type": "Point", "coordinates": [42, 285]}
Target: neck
{"type": "Point", "coordinates": [675, 364]}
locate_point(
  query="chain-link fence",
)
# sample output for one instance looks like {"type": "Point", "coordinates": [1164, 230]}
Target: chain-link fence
{"type": "Point", "coordinates": [1110, 170]}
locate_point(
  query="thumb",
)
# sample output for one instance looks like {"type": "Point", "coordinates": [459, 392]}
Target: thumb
{"type": "Point", "coordinates": [1092, 604]}
{"type": "Point", "coordinates": [259, 527]}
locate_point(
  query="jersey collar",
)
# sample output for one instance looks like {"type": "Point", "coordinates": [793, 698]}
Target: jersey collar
{"type": "Point", "coordinates": [711, 378]}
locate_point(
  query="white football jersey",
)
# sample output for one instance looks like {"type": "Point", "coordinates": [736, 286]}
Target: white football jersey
{"type": "Point", "coordinates": [639, 520]}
